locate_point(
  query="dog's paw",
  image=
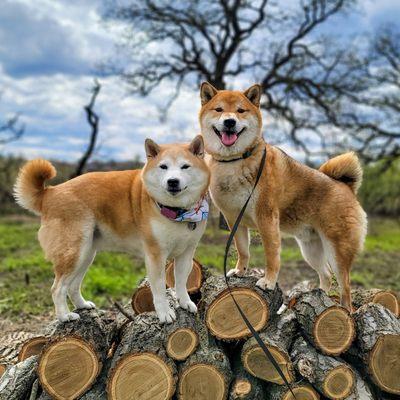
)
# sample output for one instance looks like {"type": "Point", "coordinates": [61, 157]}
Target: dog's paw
{"type": "Point", "coordinates": [263, 284]}
{"type": "Point", "coordinates": [86, 305]}
{"type": "Point", "coordinates": [71, 316]}
{"type": "Point", "coordinates": [236, 272]}
{"type": "Point", "coordinates": [166, 315]}
{"type": "Point", "coordinates": [188, 305]}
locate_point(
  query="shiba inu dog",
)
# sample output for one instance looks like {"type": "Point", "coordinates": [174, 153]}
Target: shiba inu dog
{"type": "Point", "coordinates": [318, 207]}
{"type": "Point", "coordinates": [159, 211]}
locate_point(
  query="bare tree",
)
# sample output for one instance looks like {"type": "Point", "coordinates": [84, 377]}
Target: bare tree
{"type": "Point", "coordinates": [11, 129]}
{"type": "Point", "coordinates": [310, 81]}
{"type": "Point", "coordinates": [93, 121]}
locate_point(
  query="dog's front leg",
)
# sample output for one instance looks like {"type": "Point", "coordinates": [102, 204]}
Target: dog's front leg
{"type": "Point", "coordinates": [155, 266]}
{"type": "Point", "coordinates": [268, 226]}
{"type": "Point", "coordinates": [183, 266]}
{"type": "Point", "coordinates": [242, 243]}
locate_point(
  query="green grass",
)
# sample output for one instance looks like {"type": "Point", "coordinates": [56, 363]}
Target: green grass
{"type": "Point", "coordinates": [26, 278]}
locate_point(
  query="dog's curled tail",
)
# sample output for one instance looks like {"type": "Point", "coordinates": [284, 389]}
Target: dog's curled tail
{"type": "Point", "coordinates": [345, 168]}
{"type": "Point", "coordinates": [29, 187]}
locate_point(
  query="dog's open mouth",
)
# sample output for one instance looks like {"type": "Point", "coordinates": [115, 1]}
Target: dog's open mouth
{"type": "Point", "coordinates": [228, 138]}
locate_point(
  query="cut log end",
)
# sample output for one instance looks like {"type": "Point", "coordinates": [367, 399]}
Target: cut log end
{"type": "Point", "coordinates": [334, 331]}
{"type": "Point", "coordinates": [142, 300]}
{"type": "Point", "coordinates": [339, 383]}
{"type": "Point", "coordinates": [194, 281]}
{"type": "Point", "coordinates": [202, 381]}
{"type": "Point", "coordinates": [32, 347]}
{"type": "Point", "coordinates": [384, 363]}
{"type": "Point", "coordinates": [302, 392]}
{"type": "Point", "coordinates": [68, 367]}
{"type": "Point", "coordinates": [223, 318]}
{"type": "Point", "coordinates": [256, 363]}
{"type": "Point", "coordinates": [182, 343]}
{"type": "Point", "coordinates": [2, 369]}
{"type": "Point", "coordinates": [388, 300]}
{"type": "Point", "coordinates": [241, 388]}
{"type": "Point", "coordinates": [141, 376]}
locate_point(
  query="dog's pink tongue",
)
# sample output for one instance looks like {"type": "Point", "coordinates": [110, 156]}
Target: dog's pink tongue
{"type": "Point", "coordinates": [228, 140]}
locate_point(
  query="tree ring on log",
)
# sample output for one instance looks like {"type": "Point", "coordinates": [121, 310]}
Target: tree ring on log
{"type": "Point", "coordinates": [202, 382]}
{"type": "Point", "coordinates": [68, 367]}
{"type": "Point", "coordinates": [302, 392]}
{"type": "Point", "coordinates": [141, 375]}
{"type": "Point", "coordinates": [384, 361]}
{"type": "Point", "coordinates": [32, 347]}
{"type": "Point", "coordinates": [194, 280]}
{"type": "Point", "coordinates": [142, 300]}
{"type": "Point", "coordinates": [334, 331]}
{"type": "Point", "coordinates": [223, 319]}
{"type": "Point", "coordinates": [256, 363]}
{"type": "Point", "coordinates": [182, 343]}
{"type": "Point", "coordinates": [241, 387]}
{"type": "Point", "coordinates": [339, 382]}
{"type": "Point", "coordinates": [2, 369]}
{"type": "Point", "coordinates": [388, 300]}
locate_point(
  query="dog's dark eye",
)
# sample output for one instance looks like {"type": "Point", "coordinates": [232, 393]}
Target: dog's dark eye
{"type": "Point", "coordinates": [240, 110]}
{"type": "Point", "coordinates": [185, 166]}
{"type": "Point", "coordinates": [219, 109]}
{"type": "Point", "coordinates": [163, 166]}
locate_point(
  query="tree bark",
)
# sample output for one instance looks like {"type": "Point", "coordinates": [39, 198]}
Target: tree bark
{"type": "Point", "coordinates": [328, 326]}
{"type": "Point", "coordinates": [221, 315]}
{"type": "Point", "coordinates": [278, 337]}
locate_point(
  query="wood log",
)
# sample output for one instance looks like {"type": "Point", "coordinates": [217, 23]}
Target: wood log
{"type": "Point", "coordinates": [302, 391]}
{"type": "Point", "coordinates": [181, 338]}
{"type": "Point", "coordinates": [71, 361]}
{"type": "Point", "coordinates": [377, 345]}
{"type": "Point", "coordinates": [16, 382]}
{"type": "Point", "coordinates": [142, 299]}
{"type": "Point", "coordinates": [140, 367]}
{"type": "Point", "coordinates": [327, 325]}
{"type": "Point", "coordinates": [221, 315]}
{"type": "Point", "coordinates": [32, 347]}
{"type": "Point", "coordinates": [196, 277]}
{"type": "Point", "coordinates": [278, 337]}
{"type": "Point", "coordinates": [334, 378]}
{"type": "Point", "coordinates": [387, 298]}
{"type": "Point", "coordinates": [362, 390]}
{"type": "Point", "coordinates": [244, 386]}
{"type": "Point", "coordinates": [3, 368]}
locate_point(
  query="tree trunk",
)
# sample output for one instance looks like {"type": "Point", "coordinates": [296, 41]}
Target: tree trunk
{"type": "Point", "coordinates": [328, 326]}
{"type": "Point", "coordinates": [140, 367]}
{"type": "Point", "coordinates": [16, 382]}
{"type": "Point", "coordinates": [331, 376]}
{"type": "Point", "coordinates": [32, 347]}
{"type": "Point", "coordinates": [302, 391]}
{"type": "Point", "coordinates": [73, 358]}
{"type": "Point", "coordinates": [378, 345]}
{"type": "Point", "coordinates": [278, 337]}
{"type": "Point", "coordinates": [385, 297]}
{"type": "Point", "coordinates": [221, 315]}
{"type": "Point", "coordinates": [244, 386]}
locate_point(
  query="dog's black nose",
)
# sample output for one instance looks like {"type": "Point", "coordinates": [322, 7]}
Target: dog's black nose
{"type": "Point", "coordinates": [173, 183]}
{"type": "Point", "coordinates": [229, 123]}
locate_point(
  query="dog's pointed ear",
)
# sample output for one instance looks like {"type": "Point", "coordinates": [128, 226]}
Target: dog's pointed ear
{"type": "Point", "coordinates": [152, 148]}
{"type": "Point", "coordinates": [207, 92]}
{"type": "Point", "coordinates": [197, 146]}
{"type": "Point", "coordinates": [253, 93]}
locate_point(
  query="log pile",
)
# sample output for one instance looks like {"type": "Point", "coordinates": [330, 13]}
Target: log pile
{"type": "Point", "coordinates": [324, 351]}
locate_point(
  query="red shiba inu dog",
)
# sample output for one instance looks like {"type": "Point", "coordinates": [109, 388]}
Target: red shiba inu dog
{"type": "Point", "coordinates": [318, 207]}
{"type": "Point", "coordinates": [159, 211]}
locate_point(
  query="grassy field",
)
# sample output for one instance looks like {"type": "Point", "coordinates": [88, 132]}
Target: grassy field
{"type": "Point", "coordinates": [26, 278]}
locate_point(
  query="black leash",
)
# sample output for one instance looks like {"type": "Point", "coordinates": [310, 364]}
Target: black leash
{"type": "Point", "coordinates": [242, 314]}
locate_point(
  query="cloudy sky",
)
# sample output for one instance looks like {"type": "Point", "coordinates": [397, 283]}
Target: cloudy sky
{"type": "Point", "coordinates": [49, 55]}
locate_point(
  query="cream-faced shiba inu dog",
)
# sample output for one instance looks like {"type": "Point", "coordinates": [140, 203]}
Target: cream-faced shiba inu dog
{"type": "Point", "coordinates": [319, 208]}
{"type": "Point", "coordinates": [159, 211]}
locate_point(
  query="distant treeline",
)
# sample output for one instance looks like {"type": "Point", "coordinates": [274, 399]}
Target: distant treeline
{"type": "Point", "coordinates": [379, 194]}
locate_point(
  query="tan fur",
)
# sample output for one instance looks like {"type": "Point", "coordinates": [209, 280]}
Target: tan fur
{"type": "Point", "coordinates": [103, 211]}
{"type": "Point", "coordinates": [345, 168]}
{"type": "Point", "coordinates": [322, 213]}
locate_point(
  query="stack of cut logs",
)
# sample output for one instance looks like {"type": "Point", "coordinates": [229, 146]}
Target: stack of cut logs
{"type": "Point", "coordinates": [324, 351]}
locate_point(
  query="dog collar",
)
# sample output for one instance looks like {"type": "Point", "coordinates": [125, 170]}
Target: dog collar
{"type": "Point", "coordinates": [196, 214]}
{"type": "Point", "coordinates": [245, 155]}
